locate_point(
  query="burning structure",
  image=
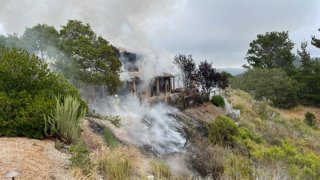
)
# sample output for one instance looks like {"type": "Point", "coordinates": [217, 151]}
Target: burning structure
{"type": "Point", "coordinates": [159, 88]}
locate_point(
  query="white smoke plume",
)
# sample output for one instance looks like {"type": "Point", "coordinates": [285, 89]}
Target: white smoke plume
{"type": "Point", "coordinates": [145, 125]}
{"type": "Point", "coordinates": [124, 23]}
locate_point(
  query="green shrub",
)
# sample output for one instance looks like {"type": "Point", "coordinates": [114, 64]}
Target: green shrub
{"type": "Point", "coordinates": [223, 131]}
{"type": "Point", "coordinates": [310, 119]}
{"type": "Point", "coordinates": [64, 121]}
{"type": "Point", "coordinates": [302, 163]}
{"type": "Point", "coordinates": [218, 101]}
{"type": "Point", "coordinates": [161, 170]}
{"type": "Point", "coordinates": [27, 93]}
{"type": "Point", "coordinates": [109, 138]}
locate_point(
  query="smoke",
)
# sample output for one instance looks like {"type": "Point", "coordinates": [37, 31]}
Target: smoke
{"type": "Point", "coordinates": [125, 24]}
{"type": "Point", "coordinates": [146, 125]}
{"type": "Point", "coordinates": [122, 22]}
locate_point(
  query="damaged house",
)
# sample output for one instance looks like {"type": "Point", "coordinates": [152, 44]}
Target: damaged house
{"type": "Point", "coordinates": [161, 87]}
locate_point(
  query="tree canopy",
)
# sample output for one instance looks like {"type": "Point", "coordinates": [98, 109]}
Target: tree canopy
{"type": "Point", "coordinates": [76, 51]}
{"type": "Point", "coordinates": [315, 41]}
{"type": "Point", "coordinates": [96, 60]}
{"type": "Point", "coordinates": [270, 50]}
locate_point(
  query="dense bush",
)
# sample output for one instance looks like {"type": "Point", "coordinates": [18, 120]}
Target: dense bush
{"type": "Point", "coordinates": [223, 131]}
{"type": "Point", "coordinates": [310, 119]}
{"type": "Point", "coordinates": [218, 101]}
{"type": "Point", "coordinates": [64, 121]}
{"type": "Point", "coordinates": [27, 93]}
{"type": "Point", "coordinates": [272, 84]}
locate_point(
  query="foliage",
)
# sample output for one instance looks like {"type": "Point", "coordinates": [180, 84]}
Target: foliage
{"type": "Point", "coordinates": [39, 39]}
{"type": "Point", "coordinates": [115, 165]}
{"type": "Point", "coordinates": [271, 50]}
{"type": "Point", "coordinates": [223, 131]}
{"type": "Point", "coordinates": [64, 121]}
{"type": "Point", "coordinates": [272, 84]}
{"type": "Point", "coordinates": [237, 167]}
{"type": "Point", "coordinates": [80, 157]}
{"type": "Point", "coordinates": [95, 59]}
{"type": "Point", "coordinates": [310, 119]}
{"type": "Point", "coordinates": [315, 41]}
{"type": "Point", "coordinates": [208, 77]}
{"type": "Point", "coordinates": [27, 93]}
{"type": "Point", "coordinates": [161, 170]}
{"type": "Point", "coordinates": [304, 55]}
{"type": "Point", "coordinates": [302, 163]}
{"type": "Point", "coordinates": [286, 143]}
{"type": "Point", "coordinates": [109, 138]}
{"type": "Point", "coordinates": [218, 101]}
{"type": "Point", "coordinates": [187, 67]}
{"type": "Point", "coordinates": [76, 52]}
{"type": "Point", "coordinates": [308, 77]}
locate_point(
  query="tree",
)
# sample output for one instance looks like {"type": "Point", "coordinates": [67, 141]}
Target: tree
{"type": "Point", "coordinates": [272, 84]}
{"type": "Point", "coordinates": [315, 41]}
{"type": "Point", "coordinates": [92, 58]}
{"type": "Point", "coordinates": [187, 67]}
{"type": "Point", "coordinates": [304, 55]}
{"type": "Point", "coordinates": [39, 39]}
{"type": "Point", "coordinates": [271, 50]}
{"type": "Point", "coordinates": [27, 93]}
{"type": "Point", "coordinates": [207, 77]}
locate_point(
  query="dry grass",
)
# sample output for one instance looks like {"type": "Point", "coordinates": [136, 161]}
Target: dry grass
{"type": "Point", "coordinates": [34, 158]}
{"type": "Point", "coordinates": [161, 170]}
{"type": "Point", "coordinates": [120, 163]}
{"type": "Point", "coordinates": [298, 112]}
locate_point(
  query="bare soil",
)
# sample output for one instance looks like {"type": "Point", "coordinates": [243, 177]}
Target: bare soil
{"type": "Point", "coordinates": [35, 159]}
{"type": "Point", "coordinates": [205, 112]}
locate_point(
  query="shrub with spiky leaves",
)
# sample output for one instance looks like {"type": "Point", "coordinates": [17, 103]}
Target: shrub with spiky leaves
{"type": "Point", "coordinates": [64, 121]}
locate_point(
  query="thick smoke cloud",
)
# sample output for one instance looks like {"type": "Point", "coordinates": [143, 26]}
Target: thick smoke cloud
{"type": "Point", "coordinates": [219, 31]}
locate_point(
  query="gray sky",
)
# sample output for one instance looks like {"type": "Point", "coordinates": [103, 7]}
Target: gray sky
{"type": "Point", "coordinates": [218, 31]}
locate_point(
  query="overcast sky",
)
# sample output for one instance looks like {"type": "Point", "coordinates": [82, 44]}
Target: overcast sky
{"type": "Point", "coordinates": [218, 31]}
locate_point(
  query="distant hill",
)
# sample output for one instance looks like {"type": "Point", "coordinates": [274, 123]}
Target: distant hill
{"type": "Point", "coordinates": [233, 71]}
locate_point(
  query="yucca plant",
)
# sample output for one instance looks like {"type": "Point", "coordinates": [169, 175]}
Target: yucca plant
{"type": "Point", "coordinates": [64, 121]}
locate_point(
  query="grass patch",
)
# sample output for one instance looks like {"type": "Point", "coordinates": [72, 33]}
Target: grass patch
{"type": "Point", "coordinates": [161, 170]}
{"type": "Point", "coordinates": [115, 164]}
{"type": "Point", "coordinates": [110, 139]}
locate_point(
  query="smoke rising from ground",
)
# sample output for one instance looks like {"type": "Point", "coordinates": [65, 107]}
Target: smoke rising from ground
{"type": "Point", "coordinates": [145, 125]}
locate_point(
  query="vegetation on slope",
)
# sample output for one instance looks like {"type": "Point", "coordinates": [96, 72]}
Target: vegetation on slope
{"type": "Point", "coordinates": [27, 93]}
{"type": "Point", "coordinates": [287, 142]}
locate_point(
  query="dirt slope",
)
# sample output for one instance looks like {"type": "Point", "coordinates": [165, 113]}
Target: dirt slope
{"type": "Point", "coordinates": [205, 112]}
{"type": "Point", "coordinates": [34, 158]}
